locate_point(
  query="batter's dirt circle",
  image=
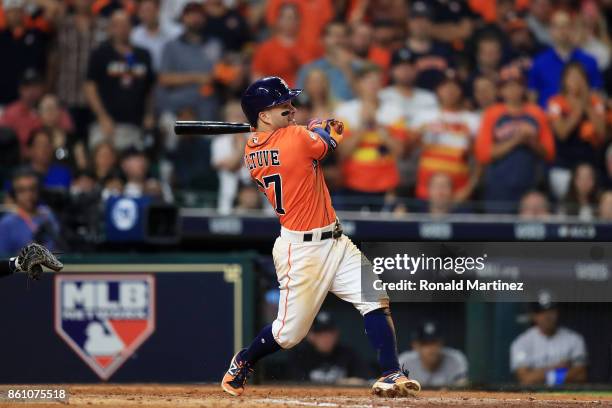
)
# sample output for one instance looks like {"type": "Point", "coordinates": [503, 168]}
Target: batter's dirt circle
{"type": "Point", "coordinates": [166, 396]}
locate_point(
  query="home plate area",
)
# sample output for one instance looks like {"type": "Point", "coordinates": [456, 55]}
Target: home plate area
{"type": "Point", "coordinates": [154, 395]}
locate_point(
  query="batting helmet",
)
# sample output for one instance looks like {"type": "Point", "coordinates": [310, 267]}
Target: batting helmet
{"type": "Point", "coordinates": [265, 93]}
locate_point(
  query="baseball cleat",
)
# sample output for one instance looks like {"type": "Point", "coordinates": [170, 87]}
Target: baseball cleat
{"type": "Point", "coordinates": [236, 376]}
{"type": "Point", "coordinates": [396, 384]}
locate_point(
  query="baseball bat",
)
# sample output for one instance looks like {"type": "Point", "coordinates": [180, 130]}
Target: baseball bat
{"type": "Point", "coordinates": [199, 127]}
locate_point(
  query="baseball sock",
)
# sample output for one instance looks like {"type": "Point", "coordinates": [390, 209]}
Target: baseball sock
{"type": "Point", "coordinates": [261, 346]}
{"type": "Point", "coordinates": [380, 331]}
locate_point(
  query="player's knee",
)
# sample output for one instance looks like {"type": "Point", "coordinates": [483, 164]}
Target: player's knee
{"type": "Point", "coordinates": [379, 307]}
{"type": "Point", "coordinates": [290, 340]}
{"type": "Point", "coordinates": [287, 342]}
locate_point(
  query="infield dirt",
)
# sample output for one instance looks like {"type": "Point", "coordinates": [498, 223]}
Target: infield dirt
{"type": "Point", "coordinates": [166, 396]}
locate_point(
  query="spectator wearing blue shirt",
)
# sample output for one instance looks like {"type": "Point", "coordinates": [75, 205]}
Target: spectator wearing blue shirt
{"type": "Point", "coordinates": [29, 221]}
{"type": "Point", "coordinates": [545, 74]}
{"type": "Point", "coordinates": [54, 176]}
{"type": "Point", "coordinates": [338, 64]}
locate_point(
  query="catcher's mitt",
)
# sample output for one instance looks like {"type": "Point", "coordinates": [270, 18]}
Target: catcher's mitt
{"type": "Point", "coordinates": [31, 258]}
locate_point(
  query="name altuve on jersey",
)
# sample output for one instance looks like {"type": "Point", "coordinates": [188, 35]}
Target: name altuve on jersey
{"type": "Point", "coordinates": [262, 158]}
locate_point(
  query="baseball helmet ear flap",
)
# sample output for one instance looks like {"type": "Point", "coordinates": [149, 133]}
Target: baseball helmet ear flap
{"type": "Point", "coordinates": [265, 93]}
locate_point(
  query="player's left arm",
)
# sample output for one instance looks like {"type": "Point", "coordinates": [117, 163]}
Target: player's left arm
{"type": "Point", "coordinates": [325, 136]}
{"type": "Point", "coordinates": [30, 260]}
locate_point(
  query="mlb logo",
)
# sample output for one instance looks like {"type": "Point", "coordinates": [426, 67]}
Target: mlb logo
{"type": "Point", "coordinates": [104, 318]}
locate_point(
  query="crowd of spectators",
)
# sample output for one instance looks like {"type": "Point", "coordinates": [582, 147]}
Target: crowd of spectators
{"type": "Point", "coordinates": [449, 105]}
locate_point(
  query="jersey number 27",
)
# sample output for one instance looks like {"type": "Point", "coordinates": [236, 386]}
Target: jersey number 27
{"type": "Point", "coordinates": [276, 181]}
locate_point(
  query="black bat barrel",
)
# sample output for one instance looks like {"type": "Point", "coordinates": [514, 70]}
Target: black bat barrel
{"type": "Point", "coordinates": [199, 127]}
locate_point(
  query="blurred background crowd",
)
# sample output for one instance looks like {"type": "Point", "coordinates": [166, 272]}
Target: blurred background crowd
{"type": "Point", "coordinates": [546, 353]}
{"type": "Point", "coordinates": [450, 106]}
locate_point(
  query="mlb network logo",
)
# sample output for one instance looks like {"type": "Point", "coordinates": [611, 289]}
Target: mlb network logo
{"type": "Point", "coordinates": [104, 318]}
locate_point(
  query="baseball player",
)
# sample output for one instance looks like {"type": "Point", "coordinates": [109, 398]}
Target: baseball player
{"type": "Point", "coordinates": [29, 260]}
{"type": "Point", "coordinates": [311, 256]}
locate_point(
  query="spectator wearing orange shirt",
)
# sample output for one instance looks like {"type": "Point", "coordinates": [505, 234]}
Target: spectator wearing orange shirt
{"type": "Point", "coordinates": [314, 16]}
{"type": "Point", "coordinates": [282, 54]}
{"type": "Point", "coordinates": [447, 136]}
{"type": "Point", "coordinates": [374, 132]}
{"type": "Point", "coordinates": [577, 117]}
{"type": "Point", "coordinates": [514, 142]}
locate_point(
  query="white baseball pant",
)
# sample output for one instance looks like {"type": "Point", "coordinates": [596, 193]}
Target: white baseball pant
{"type": "Point", "coordinates": [307, 271]}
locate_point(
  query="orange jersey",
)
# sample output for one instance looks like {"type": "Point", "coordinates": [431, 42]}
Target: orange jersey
{"type": "Point", "coordinates": [285, 166]}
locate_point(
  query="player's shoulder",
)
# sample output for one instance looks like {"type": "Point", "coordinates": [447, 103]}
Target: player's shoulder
{"type": "Point", "coordinates": [292, 138]}
{"type": "Point", "coordinates": [289, 134]}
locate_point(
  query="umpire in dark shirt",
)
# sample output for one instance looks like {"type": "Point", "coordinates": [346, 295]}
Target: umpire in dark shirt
{"type": "Point", "coordinates": [322, 359]}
